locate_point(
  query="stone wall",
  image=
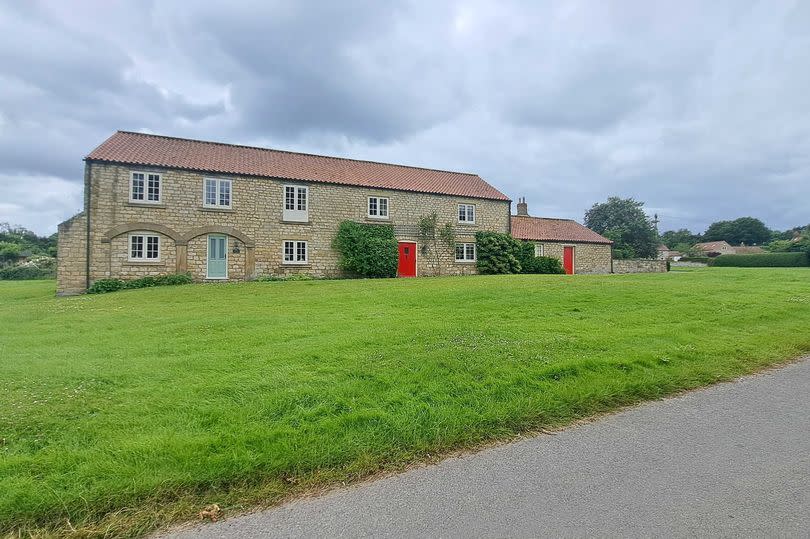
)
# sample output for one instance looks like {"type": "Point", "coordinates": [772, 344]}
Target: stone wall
{"type": "Point", "coordinates": [588, 257]}
{"type": "Point", "coordinates": [639, 265]}
{"type": "Point", "coordinates": [71, 257]}
{"type": "Point", "coordinates": [254, 225]}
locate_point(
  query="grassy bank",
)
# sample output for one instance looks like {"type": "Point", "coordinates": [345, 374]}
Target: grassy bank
{"type": "Point", "coordinates": [125, 411]}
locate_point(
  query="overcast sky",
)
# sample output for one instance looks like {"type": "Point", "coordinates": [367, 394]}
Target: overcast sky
{"type": "Point", "coordinates": [700, 109]}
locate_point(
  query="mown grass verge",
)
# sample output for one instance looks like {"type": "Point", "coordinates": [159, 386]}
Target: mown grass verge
{"type": "Point", "coordinates": [125, 412]}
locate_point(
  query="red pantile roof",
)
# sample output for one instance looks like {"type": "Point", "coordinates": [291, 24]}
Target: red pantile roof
{"type": "Point", "coordinates": [712, 245]}
{"type": "Point", "coordinates": [160, 151]}
{"type": "Point", "coordinates": [547, 229]}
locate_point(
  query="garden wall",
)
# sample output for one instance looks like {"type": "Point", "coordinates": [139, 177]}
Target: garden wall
{"type": "Point", "coordinates": [639, 265]}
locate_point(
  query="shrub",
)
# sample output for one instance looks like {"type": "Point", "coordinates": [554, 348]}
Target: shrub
{"type": "Point", "coordinates": [37, 267]}
{"type": "Point", "coordinates": [174, 279]}
{"type": "Point", "coordinates": [766, 260]}
{"type": "Point", "coordinates": [367, 250]}
{"type": "Point", "coordinates": [25, 272]}
{"type": "Point", "coordinates": [102, 286]}
{"type": "Point", "coordinates": [497, 253]}
{"type": "Point", "coordinates": [299, 277]}
{"type": "Point", "coordinates": [537, 264]}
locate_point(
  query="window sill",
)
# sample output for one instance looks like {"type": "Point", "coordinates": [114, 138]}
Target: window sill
{"type": "Point", "coordinates": [145, 204]}
{"type": "Point", "coordinates": [295, 222]}
{"type": "Point", "coordinates": [145, 263]}
{"type": "Point", "coordinates": [296, 264]}
{"type": "Point", "coordinates": [377, 219]}
{"type": "Point", "coordinates": [467, 223]}
{"type": "Point", "coordinates": [217, 210]}
{"type": "Point", "coordinates": [466, 261]}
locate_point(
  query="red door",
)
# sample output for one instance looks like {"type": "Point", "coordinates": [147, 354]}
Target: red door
{"type": "Point", "coordinates": [407, 259]}
{"type": "Point", "coordinates": [568, 260]}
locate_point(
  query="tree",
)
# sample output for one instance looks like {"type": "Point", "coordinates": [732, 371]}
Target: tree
{"type": "Point", "coordinates": [623, 220]}
{"type": "Point", "coordinates": [27, 240]}
{"type": "Point", "coordinates": [746, 230]}
{"type": "Point", "coordinates": [671, 238]}
{"type": "Point", "coordinates": [9, 252]}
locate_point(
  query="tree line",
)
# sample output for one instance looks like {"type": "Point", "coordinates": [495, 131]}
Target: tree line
{"type": "Point", "coordinates": [635, 234]}
{"type": "Point", "coordinates": [17, 242]}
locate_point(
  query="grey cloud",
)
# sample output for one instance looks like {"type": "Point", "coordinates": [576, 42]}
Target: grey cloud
{"type": "Point", "coordinates": [701, 110]}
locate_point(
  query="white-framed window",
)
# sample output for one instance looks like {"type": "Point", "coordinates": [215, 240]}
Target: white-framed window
{"type": "Point", "coordinates": [295, 252]}
{"type": "Point", "coordinates": [296, 203]}
{"type": "Point", "coordinates": [144, 247]}
{"type": "Point", "coordinates": [538, 249]}
{"type": "Point", "coordinates": [217, 193]}
{"type": "Point", "coordinates": [466, 213]}
{"type": "Point", "coordinates": [144, 187]}
{"type": "Point", "coordinates": [465, 252]}
{"type": "Point", "coordinates": [378, 207]}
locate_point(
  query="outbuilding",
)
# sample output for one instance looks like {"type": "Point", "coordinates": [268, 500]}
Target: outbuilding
{"type": "Point", "coordinates": [580, 249]}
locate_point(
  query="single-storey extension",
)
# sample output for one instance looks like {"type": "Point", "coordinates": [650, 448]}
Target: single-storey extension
{"type": "Point", "coordinates": [580, 249]}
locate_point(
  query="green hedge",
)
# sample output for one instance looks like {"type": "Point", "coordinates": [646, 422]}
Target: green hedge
{"type": "Point", "coordinates": [24, 273]}
{"type": "Point", "coordinates": [497, 253]}
{"type": "Point", "coordinates": [102, 286]}
{"type": "Point", "coordinates": [367, 250]}
{"type": "Point", "coordinates": [766, 260]}
{"type": "Point", "coordinates": [537, 264]}
{"type": "Point", "coordinates": [501, 253]}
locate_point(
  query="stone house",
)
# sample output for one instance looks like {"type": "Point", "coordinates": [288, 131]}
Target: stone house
{"type": "Point", "coordinates": [156, 205]}
{"type": "Point", "coordinates": [580, 249]}
{"type": "Point", "coordinates": [715, 248]}
{"type": "Point", "coordinates": [665, 253]}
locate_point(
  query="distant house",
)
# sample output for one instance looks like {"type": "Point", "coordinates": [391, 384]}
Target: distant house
{"type": "Point", "coordinates": [715, 248]}
{"type": "Point", "coordinates": [580, 249]}
{"type": "Point", "coordinates": [665, 253]}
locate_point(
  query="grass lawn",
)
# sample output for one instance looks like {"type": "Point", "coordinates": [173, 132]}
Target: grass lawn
{"type": "Point", "coordinates": [123, 412]}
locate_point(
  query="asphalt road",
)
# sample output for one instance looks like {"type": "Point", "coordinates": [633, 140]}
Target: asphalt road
{"type": "Point", "coordinates": [732, 460]}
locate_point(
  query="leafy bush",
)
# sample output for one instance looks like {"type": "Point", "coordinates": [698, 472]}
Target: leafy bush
{"type": "Point", "coordinates": [24, 273]}
{"type": "Point", "coordinates": [102, 286]}
{"type": "Point", "coordinates": [173, 279]}
{"type": "Point", "coordinates": [367, 250]}
{"type": "Point", "coordinates": [37, 267]}
{"type": "Point", "coordinates": [767, 260]}
{"type": "Point", "coordinates": [497, 253]}
{"type": "Point", "coordinates": [299, 277]}
{"type": "Point", "coordinates": [537, 264]}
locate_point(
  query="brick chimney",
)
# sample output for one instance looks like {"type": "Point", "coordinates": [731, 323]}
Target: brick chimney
{"type": "Point", "coordinates": [522, 207]}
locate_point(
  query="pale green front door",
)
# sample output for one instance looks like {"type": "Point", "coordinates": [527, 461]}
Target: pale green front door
{"type": "Point", "coordinates": [217, 257]}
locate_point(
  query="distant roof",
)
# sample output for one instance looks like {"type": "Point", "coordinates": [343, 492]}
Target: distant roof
{"type": "Point", "coordinates": [156, 150]}
{"type": "Point", "coordinates": [548, 229]}
{"type": "Point", "coordinates": [710, 245]}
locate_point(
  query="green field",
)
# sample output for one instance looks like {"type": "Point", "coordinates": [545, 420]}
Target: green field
{"type": "Point", "coordinates": [123, 412]}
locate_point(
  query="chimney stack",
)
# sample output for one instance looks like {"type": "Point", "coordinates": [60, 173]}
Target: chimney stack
{"type": "Point", "coordinates": [522, 207]}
